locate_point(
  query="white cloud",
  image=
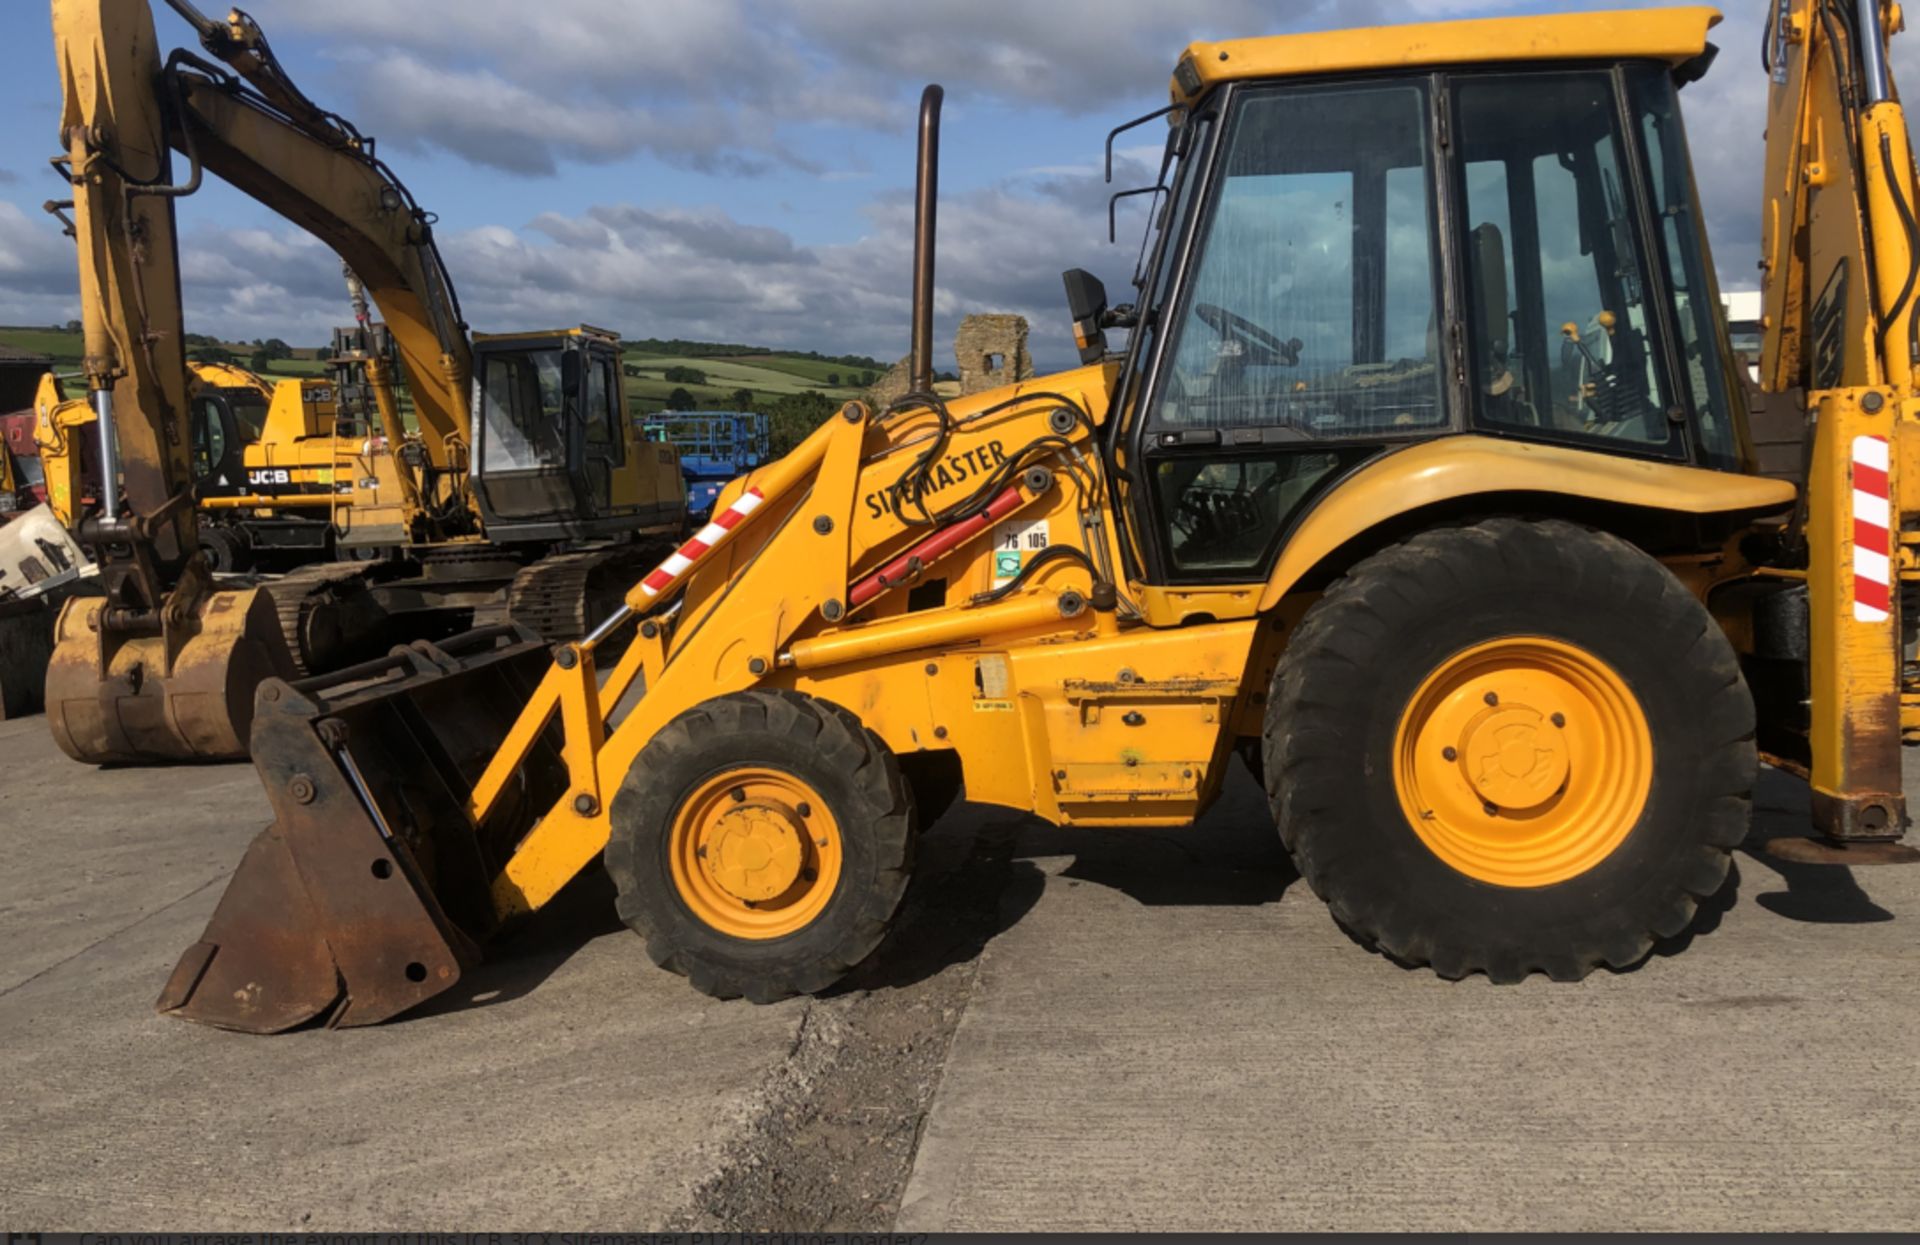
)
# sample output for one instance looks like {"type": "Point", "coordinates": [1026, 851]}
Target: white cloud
{"type": "Point", "coordinates": [712, 85]}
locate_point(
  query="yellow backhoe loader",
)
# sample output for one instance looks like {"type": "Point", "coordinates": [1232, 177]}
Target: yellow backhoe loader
{"type": "Point", "coordinates": [1422, 482]}
{"type": "Point", "coordinates": [523, 489]}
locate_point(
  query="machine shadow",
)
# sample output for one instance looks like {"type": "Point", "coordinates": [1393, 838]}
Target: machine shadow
{"type": "Point", "coordinates": [974, 879]}
{"type": "Point", "coordinates": [1814, 894]}
{"type": "Point", "coordinates": [977, 877]}
{"type": "Point", "coordinates": [521, 961]}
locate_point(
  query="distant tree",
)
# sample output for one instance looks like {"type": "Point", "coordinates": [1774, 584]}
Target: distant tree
{"type": "Point", "coordinates": [679, 400]}
{"type": "Point", "coordinates": [261, 361]}
{"type": "Point", "coordinates": [74, 326]}
{"type": "Point", "coordinates": [743, 399]}
{"type": "Point", "coordinates": [866, 380]}
{"type": "Point", "coordinates": [680, 375]}
{"type": "Point", "coordinates": [795, 415]}
{"type": "Point", "coordinates": [323, 353]}
{"type": "Point", "coordinates": [274, 348]}
{"type": "Point", "coordinates": [833, 378]}
{"type": "Point", "coordinates": [210, 354]}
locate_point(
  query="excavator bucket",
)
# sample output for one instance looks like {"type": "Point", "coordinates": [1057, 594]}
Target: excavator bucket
{"type": "Point", "coordinates": [136, 706]}
{"type": "Point", "coordinates": [369, 893]}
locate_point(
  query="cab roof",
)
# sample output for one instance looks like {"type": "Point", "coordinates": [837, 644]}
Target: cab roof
{"type": "Point", "coordinates": [1674, 35]}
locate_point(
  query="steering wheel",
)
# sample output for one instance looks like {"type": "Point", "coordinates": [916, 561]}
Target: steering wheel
{"type": "Point", "coordinates": [1264, 349]}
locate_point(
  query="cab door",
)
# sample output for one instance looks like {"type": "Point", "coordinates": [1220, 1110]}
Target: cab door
{"type": "Point", "coordinates": [1301, 327]}
{"type": "Point", "coordinates": [601, 452]}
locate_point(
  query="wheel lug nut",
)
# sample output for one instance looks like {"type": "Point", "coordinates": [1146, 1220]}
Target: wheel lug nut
{"type": "Point", "coordinates": [808, 874]}
{"type": "Point", "coordinates": [1493, 810]}
{"type": "Point", "coordinates": [739, 795]}
{"type": "Point", "coordinates": [1560, 720]}
{"type": "Point", "coordinates": [805, 809]}
{"type": "Point", "coordinates": [1450, 754]}
{"type": "Point", "coordinates": [1492, 698]}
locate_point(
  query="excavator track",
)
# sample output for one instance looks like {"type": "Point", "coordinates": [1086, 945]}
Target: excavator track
{"type": "Point", "coordinates": [316, 607]}
{"type": "Point", "coordinates": [566, 595]}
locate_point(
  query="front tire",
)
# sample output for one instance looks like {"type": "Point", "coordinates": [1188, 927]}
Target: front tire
{"type": "Point", "coordinates": [1511, 747]}
{"type": "Point", "coordinates": [761, 844]}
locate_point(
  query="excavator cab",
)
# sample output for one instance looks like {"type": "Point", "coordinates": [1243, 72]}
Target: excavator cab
{"type": "Point", "coordinates": [556, 454]}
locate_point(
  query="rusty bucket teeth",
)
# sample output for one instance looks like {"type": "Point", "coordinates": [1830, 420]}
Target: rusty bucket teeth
{"type": "Point", "coordinates": [370, 893]}
{"type": "Point", "coordinates": [133, 704]}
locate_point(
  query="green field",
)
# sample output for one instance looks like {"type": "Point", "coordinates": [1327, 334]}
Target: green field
{"type": "Point", "coordinates": [768, 377]}
{"type": "Point", "coordinates": [62, 346]}
{"type": "Point", "coordinates": [813, 371]}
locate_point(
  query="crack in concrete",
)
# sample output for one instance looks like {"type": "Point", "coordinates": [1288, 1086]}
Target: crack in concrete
{"type": "Point", "coordinates": [107, 938]}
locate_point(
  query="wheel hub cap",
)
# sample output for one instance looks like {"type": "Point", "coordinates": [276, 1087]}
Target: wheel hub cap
{"type": "Point", "coordinates": [754, 853]}
{"type": "Point", "coordinates": [1514, 757]}
{"type": "Point", "coordinates": [1523, 761]}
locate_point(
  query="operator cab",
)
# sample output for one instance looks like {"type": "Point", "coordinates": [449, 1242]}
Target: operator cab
{"type": "Point", "coordinates": [226, 419]}
{"type": "Point", "coordinates": [551, 437]}
{"type": "Point", "coordinates": [1344, 266]}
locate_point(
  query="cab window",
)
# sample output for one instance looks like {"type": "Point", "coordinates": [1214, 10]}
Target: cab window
{"type": "Point", "coordinates": [523, 411]}
{"type": "Point", "coordinates": [1307, 330]}
{"type": "Point", "coordinates": [1313, 302]}
{"type": "Point", "coordinates": [208, 437]}
{"type": "Point", "coordinates": [602, 391]}
{"type": "Point", "coordinates": [1565, 343]}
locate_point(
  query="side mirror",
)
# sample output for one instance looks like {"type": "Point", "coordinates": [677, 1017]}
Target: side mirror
{"type": "Point", "coordinates": [1087, 304]}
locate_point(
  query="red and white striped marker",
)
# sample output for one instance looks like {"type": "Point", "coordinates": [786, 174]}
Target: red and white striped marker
{"type": "Point", "coordinates": [685, 556]}
{"type": "Point", "coordinates": [1872, 532]}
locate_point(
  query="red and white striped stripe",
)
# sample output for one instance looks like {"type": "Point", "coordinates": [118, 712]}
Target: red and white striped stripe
{"type": "Point", "coordinates": [1872, 532]}
{"type": "Point", "coordinates": [668, 572]}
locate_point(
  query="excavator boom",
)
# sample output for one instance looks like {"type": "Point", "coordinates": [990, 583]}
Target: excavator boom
{"type": "Point", "coordinates": [162, 665]}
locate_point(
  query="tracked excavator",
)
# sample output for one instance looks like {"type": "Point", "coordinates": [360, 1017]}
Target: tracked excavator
{"type": "Point", "coordinates": [1421, 481]}
{"type": "Point", "coordinates": [521, 489]}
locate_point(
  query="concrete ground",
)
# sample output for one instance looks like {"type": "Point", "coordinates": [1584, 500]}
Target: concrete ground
{"type": "Point", "coordinates": [1075, 1030]}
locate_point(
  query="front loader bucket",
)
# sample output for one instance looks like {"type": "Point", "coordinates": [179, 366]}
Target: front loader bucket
{"type": "Point", "coordinates": [369, 893]}
{"type": "Point", "coordinates": [140, 710]}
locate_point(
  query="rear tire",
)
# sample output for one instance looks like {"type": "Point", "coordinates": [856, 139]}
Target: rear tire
{"type": "Point", "coordinates": [761, 845]}
{"type": "Point", "coordinates": [1567, 826]}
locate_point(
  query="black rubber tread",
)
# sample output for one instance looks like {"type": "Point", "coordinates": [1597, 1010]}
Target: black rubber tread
{"type": "Point", "coordinates": [1367, 645]}
{"type": "Point", "coordinates": [566, 595]}
{"type": "Point", "coordinates": [817, 741]}
{"type": "Point", "coordinates": [225, 549]}
{"type": "Point", "coordinates": [298, 594]}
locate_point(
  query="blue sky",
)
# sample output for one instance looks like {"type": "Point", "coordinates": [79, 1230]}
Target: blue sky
{"type": "Point", "coordinates": [732, 169]}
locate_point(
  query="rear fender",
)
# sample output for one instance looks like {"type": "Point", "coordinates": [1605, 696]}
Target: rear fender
{"type": "Point", "coordinates": [1452, 469]}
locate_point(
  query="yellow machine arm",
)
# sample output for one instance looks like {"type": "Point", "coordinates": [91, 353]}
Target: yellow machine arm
{"type": "Point", "coordinates": [1841, 255]}
{"type": "Point", "coordinates": [165, 667]}
{"type": "Point", "coordinates": [257, 132]}
{"type": "Point", "coordinates": [1839, 246]}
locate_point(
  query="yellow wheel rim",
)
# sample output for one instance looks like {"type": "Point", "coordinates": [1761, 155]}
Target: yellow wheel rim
{"type": "Point", "coordinates": [1523, 762]}
{"type": "Point", "coordinates": [755, 853]}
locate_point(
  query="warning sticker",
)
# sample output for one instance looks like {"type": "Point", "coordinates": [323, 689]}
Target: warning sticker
{"type": "Point", "coordinates": [1014, 545]}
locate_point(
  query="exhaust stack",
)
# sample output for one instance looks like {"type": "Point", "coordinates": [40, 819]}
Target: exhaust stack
{"type": "Point", "coordinates": [925, 207]}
